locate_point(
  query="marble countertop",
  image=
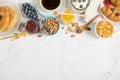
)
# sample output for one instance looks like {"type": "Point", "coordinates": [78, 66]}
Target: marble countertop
{"type": "Point", "coordinates": [60, 57]}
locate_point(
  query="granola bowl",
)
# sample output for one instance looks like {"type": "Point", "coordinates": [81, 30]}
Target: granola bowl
{"type": "Point", "coordinates": [104, 29]}
{"type": "Point", "coordinates": [49, 25]}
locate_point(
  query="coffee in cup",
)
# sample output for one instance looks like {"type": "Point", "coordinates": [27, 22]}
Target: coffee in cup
{"type": "Point", "coordinates": [50, 4]}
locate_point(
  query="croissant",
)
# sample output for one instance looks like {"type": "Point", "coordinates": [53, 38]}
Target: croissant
{"type": "Point", "coordinates": [4, 21]}
{"type": "Point", "coordinates": [8, 18]}
{"type": "Point", "coordinates": [13, 18]}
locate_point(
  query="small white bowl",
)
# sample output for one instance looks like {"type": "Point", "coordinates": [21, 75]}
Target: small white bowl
{"type": "Point", "coordinates": [97, 35]}
{"type": "Point", "coordinates": [79, 10]}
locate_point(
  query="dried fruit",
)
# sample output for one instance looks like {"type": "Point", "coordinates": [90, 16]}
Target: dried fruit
{"type": "Point", "coordinates": [39, 36]}
{"type": "Point", "coordinates": [75, 24]}
{"type": "Point", "coordinates": [15, 36]}
{"type": "Point", "coordinates": [22, 34]}
{"type": "Point", "coordinates": [70, 29]}
{"type": "Point", "coordinates": [72, 35]}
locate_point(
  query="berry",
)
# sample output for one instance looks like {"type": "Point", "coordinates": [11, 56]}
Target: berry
{"type": "Point", "coordinates": [26, 9]}
{"type": "Point", "coordinates": [81, 6]}
{"type": "Point", "coordinates": [112, 9]}
{"type": "Point", "coordinates": [30, 11]}
{"type": "Point", "coordinates": [54, 32]}
{"type": "Point", "coordinates": [79, 31]}
{"type": "Point", "coordinates": [26, 6]}
{"type": "Point", "coordinates": [107, 2]}
{"type": "Point", "coordinates": [30, 7]}
{"type": "Point", "coordinates": [88, 29]}
{"type": "Point", "coordinates": [37, 19]}
{"type": "Point", "coordinates": [34, 16]}
{"type": "Point", "coordinates": [25, 12]}
{"type": "Point", "coordinates": [117, 14]}
{"type": "Point", "coordinates": [45, 27]}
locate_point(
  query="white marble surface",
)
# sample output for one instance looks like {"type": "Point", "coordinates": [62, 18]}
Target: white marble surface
{"type": "Point", "coordinates": [60, 57]}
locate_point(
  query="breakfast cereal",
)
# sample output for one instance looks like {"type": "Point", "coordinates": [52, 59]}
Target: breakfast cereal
{"type": "Point", "coordinates": [104, 29]}
{"type": "Point", "coordinates": [49, 26]}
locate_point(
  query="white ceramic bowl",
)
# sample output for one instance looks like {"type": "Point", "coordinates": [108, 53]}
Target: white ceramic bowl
{"type": "Point", "coordinates": [16, 26]}
{"type": "Point", "coordinates": [97, 35]}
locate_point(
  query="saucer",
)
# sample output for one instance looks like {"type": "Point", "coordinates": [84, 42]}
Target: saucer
{"type": "Point", "coordinates": [44, 12]}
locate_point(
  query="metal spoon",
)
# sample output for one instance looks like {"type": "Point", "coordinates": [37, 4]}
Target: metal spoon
{"type": "Point", "coordinates": [15, 36]}
{"type": "Point", "coordinates": [5, 38]}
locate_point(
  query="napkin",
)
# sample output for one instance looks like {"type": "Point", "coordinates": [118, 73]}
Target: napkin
{"type": "Point", "coordinates": [92, 10]}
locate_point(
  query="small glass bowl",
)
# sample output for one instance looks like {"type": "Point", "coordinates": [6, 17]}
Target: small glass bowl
{"type": "Point", "coordinates": [65, 21]}
{"type": "Point", "coordinates": [36, 29]}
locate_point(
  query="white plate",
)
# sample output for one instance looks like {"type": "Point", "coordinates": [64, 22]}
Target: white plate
{"type": "Point", "coordinates": [104, 17]}
{"type": "Point", "coordinates": [46, 12]}
{"type": "Point", "coordinates": [15, 7]}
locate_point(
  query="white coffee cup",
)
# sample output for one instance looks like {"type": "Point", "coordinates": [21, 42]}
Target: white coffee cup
{"type": "Point", "coordinates": [45, 12]}
{"type": "Point", "coordinates": [56, 7]}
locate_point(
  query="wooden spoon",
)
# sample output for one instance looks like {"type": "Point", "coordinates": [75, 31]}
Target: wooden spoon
{"type": "Point", "coordinates": [80, 29]}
